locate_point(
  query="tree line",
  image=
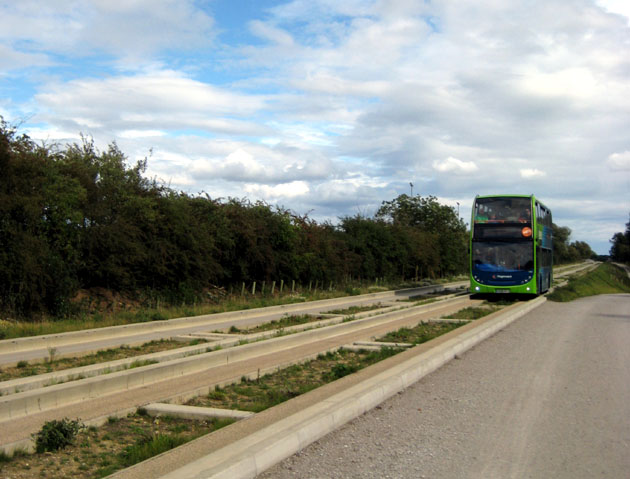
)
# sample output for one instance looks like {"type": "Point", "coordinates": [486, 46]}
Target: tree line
{"type": "Point", "coordinates": [569, 252]}
{"type": "Point", "coordinates": [620, 246]}
{"type": "Point", "coordinates": [74, 218]}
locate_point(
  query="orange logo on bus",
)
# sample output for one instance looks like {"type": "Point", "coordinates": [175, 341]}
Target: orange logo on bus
{"type": "Point", "coordinates": [527, 231]}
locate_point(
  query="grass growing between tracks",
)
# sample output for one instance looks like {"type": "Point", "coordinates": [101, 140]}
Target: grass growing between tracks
{"type": "Point", "coordinates": [113, 314]}
{"type": "Point", "coordinates": [420, 334]}
{"type": "Point", "coordinates": [607, 278]}
{"type": "Point", "coordinates": [271, 389]}
{"type": "Point", "coordinates": [120, 443]}
{"type": "Point", "coordinates": [281, 323]}
{"type": "Point", "coordinates": [472, 312]}
{"type": "Point", "coordinates": [356, 309]}
{"type": "Point", "coordinates": [24, 368]}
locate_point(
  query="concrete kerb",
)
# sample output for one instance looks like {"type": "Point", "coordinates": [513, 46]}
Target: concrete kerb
{"type": "Point", "coordinates": [29, 402]}
{"type": "Point", "coordinates": [61, 339]}
{"type": "Point", "coordinates": [252, 455]}
{"type": "Point", "coordinates": [220, 340]}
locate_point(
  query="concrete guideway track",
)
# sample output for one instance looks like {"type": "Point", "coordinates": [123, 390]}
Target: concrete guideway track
{"type": "Point", "coordinates": [294, 348]}
{"type": "Point", "coordinates": [548, 397]}
{"type": "Point", "coordinates": [118, 401]}
{"type": "Point", "coordinates": [247, 448]}
{"type": "Point", "coordinates": [83, 342]}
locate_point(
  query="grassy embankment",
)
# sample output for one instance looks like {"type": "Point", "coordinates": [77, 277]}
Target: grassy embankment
{"type": "Point", "coordinates": [607, 278]}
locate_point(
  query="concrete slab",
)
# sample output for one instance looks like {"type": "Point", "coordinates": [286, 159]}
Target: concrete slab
{"type": "Point", "coordinates": [193, 412]}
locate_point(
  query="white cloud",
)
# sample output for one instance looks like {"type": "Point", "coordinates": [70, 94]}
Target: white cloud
{"type": "Point", "coordinates": [272, 34]}
{"type": "Point", "coordinates": [529, 173]}
{"type": "Point", "coordinates": [620, 7]}
{"type": "Point", "coordinates": [141, 133]}
{"type": "Point", "coordinates": [153, 101]}
{"type": "Point", "coordinates": [124, 29]}
{"type": "Point", "coordinates": [278, 192]}
{"type": "Point", "coordinates": [241, 162]}
{"type": "Point", "coordinates": [161, 91]}
{"type": "Point", "coordinates": [619, 161]}
{"type": "Point", "coordinates": [453, 165]}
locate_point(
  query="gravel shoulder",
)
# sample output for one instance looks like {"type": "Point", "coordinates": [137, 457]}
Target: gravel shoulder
{"type": "Point", "coordinates": [548, 396]}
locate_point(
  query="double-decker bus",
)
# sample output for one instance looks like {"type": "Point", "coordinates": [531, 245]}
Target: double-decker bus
{"type": "Point", "coordinates": [510, 245]}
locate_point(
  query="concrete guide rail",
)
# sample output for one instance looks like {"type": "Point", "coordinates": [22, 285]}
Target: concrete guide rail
{"type": "Point", "coordinates": [167, 328]}
{"type": "Point", "coordinates": [17, 433]}
{"type": "Point", "coordinates": [214, 341]}
{"type": "Point", "coordinates": [246, 449]}
{"type": "Point", "coordinates": [33, 401]}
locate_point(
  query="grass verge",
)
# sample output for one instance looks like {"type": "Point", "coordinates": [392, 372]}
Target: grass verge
{"type": "Point", "coordinates": [607, 278]}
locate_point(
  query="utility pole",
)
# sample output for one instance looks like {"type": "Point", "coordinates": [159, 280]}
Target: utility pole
{"type": "Point", "coordinates": [411, 184]}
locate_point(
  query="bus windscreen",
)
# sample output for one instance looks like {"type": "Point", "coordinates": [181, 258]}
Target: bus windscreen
{"type": "Point", "coordinates": [503, 210]}
{"type": "Point", "coordinates": [494, 256]}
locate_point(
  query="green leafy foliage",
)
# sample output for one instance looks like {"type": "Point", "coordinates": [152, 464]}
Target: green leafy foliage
{"type": "Point", "coordinates": [75, 218]}
{"type": "Point", "coordinates": [620, 246]}
{"type": "Point", "coordinates": [57, 434]}
{"type": "Point", "coordinates": [566, 252]}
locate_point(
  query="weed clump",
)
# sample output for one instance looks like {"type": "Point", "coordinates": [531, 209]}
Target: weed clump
{"type": "Point", "coordinates": [57, 434]}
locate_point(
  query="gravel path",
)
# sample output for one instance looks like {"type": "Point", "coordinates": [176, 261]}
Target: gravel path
{"type": "Point", "coordinates": [549, 396]}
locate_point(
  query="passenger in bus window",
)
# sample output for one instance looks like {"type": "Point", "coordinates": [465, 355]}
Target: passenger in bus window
{"type": "Point", "coordinates": [525, 216]}
{"type": "Point", "coordinates": [481, 218]}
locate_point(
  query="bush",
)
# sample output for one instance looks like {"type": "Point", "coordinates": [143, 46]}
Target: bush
{"type": "Point", "coordinates": [56, 435]}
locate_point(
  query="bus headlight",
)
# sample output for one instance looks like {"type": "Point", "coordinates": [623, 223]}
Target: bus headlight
{"type": "Point", "coordinates": [476, 288]}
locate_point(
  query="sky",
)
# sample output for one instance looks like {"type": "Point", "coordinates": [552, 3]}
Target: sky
{"type": "Point", "coordinates": [328, 107]}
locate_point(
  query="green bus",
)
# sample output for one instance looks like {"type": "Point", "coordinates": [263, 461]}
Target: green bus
{"type": "Point", "coordinates": [511, 248]}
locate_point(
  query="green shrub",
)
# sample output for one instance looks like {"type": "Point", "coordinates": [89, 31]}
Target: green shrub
{"type": "Point", "coordinates": [56, 435]}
